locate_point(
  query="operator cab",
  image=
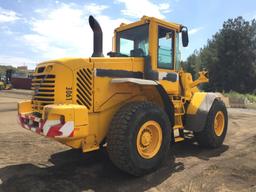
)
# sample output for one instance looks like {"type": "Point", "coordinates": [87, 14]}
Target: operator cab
{"type": "Point", "coordinates": [151, 37]}
{"type": "Point", "coordinates": [158, 42]}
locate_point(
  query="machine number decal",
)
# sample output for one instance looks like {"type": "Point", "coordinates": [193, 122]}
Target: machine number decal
{"type": "Point", "coordinates": [68, 93]}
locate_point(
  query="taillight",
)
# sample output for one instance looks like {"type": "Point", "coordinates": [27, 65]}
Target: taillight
{"type": "Point", "coordinates": [62, 119]}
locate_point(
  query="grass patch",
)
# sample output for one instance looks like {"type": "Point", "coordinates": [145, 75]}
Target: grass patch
{"type": "Point", "coordinates": [238, 96]}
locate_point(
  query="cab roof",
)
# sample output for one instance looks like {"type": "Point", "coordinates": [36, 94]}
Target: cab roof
{"type": "Point", "coordinates": [146, 19]}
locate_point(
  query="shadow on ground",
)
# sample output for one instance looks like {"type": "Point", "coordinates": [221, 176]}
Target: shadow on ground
{"type": "Point", "coordinates": [189, 147]}
{"type": "Point", "coordinates": [74, 171]}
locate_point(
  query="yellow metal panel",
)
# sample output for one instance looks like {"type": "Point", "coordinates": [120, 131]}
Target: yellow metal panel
{"type": "Point", "coordinates": [114, 43]}
{"type": "Point", "coordinates": [113, 63]}
{"type": "Point", "coordinates": [186, 80]}
{"type": "Point", "coordinates": [119, 63]}
{"type": "Point", "coordinates": [167, 24]}
{"type": "Point", "coordinates": [138, 64]}
{"type": "Point", "coordinates": [25, 106]}
{"type": "Point", "coordinates": [172, 88]}
{"type": "Point", "coordinates": [195, 103]}
{"type": "Point", "coordinates": [146, 19]}
{"type": "Point", "coordinates": [81, 115]}
{"type": "Point", "coordinates": [153, 44]}
{"type": "Point", "coordinates": [107, 95]}
{"type": "Point", "coordinates": [131, 25]}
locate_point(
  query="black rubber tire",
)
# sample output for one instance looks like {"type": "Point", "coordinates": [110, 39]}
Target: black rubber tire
{"type": "Point", "coordinates": [121, 139]}
{"type": "Point", "coordinates": [208, 137]}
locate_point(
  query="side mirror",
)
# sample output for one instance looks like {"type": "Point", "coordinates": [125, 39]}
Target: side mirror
{"type": "Point", "coordinates": [184, 36]}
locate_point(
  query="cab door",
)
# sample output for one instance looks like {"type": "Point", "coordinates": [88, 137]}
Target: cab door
{"type": "Point", "coordinates": [165, 63]}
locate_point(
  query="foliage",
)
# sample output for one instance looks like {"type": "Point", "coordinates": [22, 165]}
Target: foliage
{"type": "Point", "coordinates": [238, 96]}
{"type": "Point", "coordinates": [229, 57]}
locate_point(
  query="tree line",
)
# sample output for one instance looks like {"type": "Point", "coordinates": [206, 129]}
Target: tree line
{"type": "Point", "coordinates": [229, 57]}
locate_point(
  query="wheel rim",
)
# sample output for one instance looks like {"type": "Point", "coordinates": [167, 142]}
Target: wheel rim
{"type": "Point", "coordinates": [149, 139]}
{"type": "Point", "coordinates": [219, 123]}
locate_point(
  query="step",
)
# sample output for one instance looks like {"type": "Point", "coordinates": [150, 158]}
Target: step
{"type": "Point", "coordinates": [178, 127]}
{"type": "Point", "coordinates": [178, 139]}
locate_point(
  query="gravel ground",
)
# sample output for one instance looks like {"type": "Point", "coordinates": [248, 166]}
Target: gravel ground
{"type": "Point", "coordinates": [29, 162]}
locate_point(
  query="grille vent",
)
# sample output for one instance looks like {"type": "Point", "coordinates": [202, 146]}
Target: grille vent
{"type": "Point", "coordinates": [84, 87]}
{"type": "Point", "coordinates": [43, 86]}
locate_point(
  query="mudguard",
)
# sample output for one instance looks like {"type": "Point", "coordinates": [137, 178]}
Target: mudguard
{"type": "Point", "coordinates": [198, 109]}
{"type": "Point", "coordinates": [169, 108]}
{"type": "Point", "coordinates": [134, 80]}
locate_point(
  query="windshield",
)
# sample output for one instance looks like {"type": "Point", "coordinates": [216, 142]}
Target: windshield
{"type": "Point", "coordinates": [133, 42]}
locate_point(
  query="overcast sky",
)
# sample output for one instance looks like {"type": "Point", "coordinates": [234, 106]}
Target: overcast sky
{"type": "Point", "coordinates": [32, 31]}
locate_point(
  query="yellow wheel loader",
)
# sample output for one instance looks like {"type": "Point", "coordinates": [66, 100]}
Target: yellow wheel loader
{"type": "Point", "coordinates": [136, 102]}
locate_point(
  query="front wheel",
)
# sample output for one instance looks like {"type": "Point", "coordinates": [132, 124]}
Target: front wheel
{"type": "Point", "coordinates": [139, 138]}
{"type": "Point", "coordinates": [215, 129]}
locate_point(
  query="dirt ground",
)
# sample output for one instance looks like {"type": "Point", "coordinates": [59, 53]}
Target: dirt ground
{"type": "Point", "coordinates": [29, 162]}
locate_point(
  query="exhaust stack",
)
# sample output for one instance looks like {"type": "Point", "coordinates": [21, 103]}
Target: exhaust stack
{"type": "Point", "coordinates": [97, 37]}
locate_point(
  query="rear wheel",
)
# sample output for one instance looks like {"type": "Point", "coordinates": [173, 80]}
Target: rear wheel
{"type": "Point", "coordinates": [215, 129]}
{"type": "Point", "coordinates": [139, 138]}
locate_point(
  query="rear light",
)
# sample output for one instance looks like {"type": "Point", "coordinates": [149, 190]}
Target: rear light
{"type": "Point", "coordinates": [62, 119]}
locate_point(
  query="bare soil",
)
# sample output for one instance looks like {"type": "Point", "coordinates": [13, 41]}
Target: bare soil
{"type": "Point", "coordinates": [29, 162]}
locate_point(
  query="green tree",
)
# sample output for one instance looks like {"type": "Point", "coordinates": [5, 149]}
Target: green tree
{"type": "Point", "coordinates": [230, 57]}
{"type": "Point", "coordinates": [192, 64]}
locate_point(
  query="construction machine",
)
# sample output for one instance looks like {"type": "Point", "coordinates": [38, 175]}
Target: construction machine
{"type": "Point", "coordinates": [5, 83]}
{"type": "Point", "coordinates": [137, 102]}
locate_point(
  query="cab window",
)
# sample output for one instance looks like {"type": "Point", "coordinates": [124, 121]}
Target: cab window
{"type": "Point", "coordinates": [133, 42]}
{"type": "Point", "coordinates": [165, 48]}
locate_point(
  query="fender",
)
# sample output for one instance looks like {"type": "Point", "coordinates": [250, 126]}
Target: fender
{"type": "Point", "coordinates": [198, 109]}
{"type": "Point", "coordinates": [134, 80]}
{"type": "Point", "coordinates": [168, 105]}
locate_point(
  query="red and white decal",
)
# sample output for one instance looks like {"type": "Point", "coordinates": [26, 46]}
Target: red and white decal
{"type": "Point", "coordinates": [49, 128]}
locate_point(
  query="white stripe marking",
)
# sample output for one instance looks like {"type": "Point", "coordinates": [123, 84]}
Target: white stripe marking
{"type": "Point", "coordinates": [67, 128]}
{"type": "Point", "coordinates": [48, 124]}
